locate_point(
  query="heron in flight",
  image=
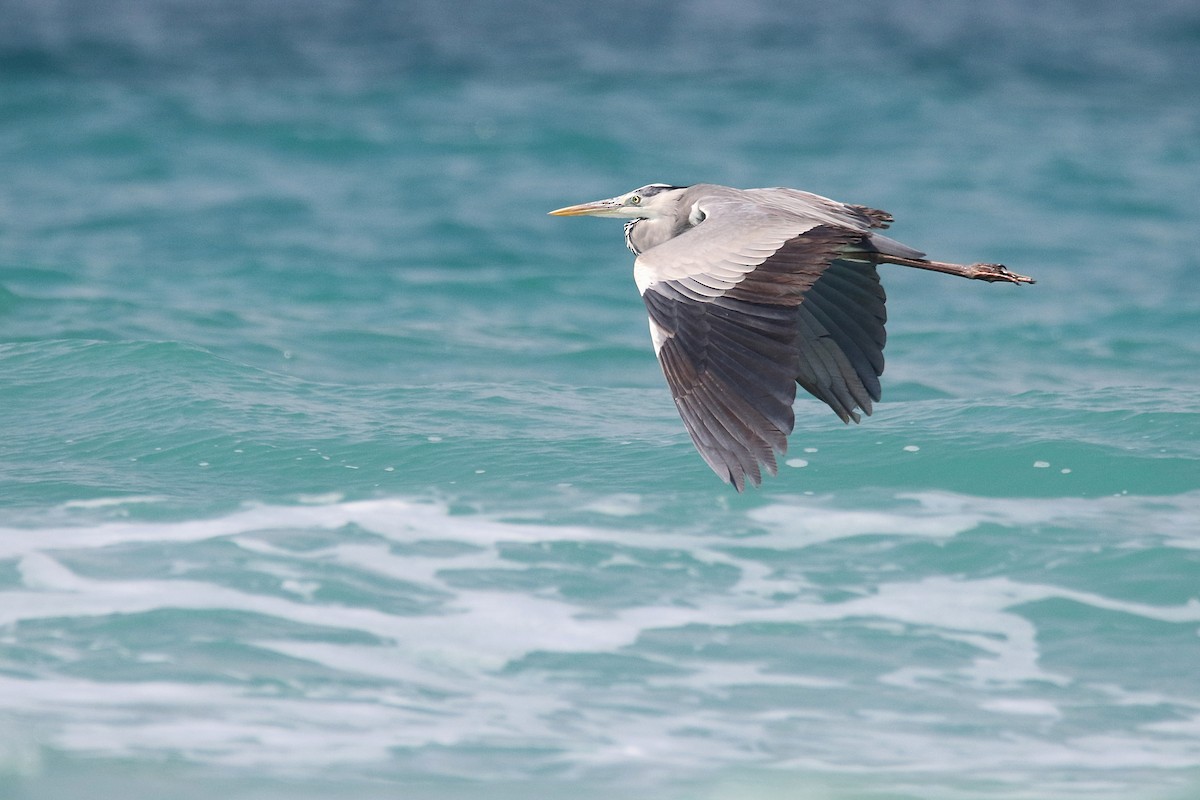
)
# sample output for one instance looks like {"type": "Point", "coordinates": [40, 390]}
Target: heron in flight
{"type": "Point", "coordinates": [753, 291]}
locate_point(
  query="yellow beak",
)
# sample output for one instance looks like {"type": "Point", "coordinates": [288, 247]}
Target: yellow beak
{"type": "Point", "coordinates": [596, 208]}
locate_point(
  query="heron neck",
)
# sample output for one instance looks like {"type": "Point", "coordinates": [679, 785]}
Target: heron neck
{"type": "Point", "coordinates": [642, 234]}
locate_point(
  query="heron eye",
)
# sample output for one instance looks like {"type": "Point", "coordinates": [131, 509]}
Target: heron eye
{"type": "Point", "coordinates": [636, 200]}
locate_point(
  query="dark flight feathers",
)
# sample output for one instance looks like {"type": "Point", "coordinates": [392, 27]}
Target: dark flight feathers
{"type": "Point", "coordinates": [808, 315]}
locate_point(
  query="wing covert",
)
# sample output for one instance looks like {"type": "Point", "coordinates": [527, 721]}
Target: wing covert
{"type": "Point", "coordinates": [732, 237]}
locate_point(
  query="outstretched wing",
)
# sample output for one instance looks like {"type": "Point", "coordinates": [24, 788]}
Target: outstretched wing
{"type": "Point", "coordinates": [746, 305]}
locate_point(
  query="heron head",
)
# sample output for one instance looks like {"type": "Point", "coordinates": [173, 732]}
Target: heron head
{"type": "Point", "coordinates": [648, 202]}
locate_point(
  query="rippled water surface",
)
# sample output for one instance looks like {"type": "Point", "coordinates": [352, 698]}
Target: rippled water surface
{"type": "Point", "coordinates": [331, 467]}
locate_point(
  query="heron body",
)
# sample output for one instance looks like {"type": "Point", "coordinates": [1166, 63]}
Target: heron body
{"type": "Point", "coordinates": [752, 292]}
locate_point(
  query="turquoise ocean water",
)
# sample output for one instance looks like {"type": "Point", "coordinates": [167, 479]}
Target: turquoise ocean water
{"type": "Point", "coordinates": [331, 467]}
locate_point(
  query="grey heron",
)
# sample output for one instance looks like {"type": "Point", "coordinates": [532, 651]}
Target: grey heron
{"type": "Point", "coordinates": [752, 292]}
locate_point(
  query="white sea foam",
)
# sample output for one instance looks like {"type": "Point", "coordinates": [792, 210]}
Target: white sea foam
{"type": "Point", "coordinates": [109, 502]}
{"type": "Point", "coordinates": [469, 670]}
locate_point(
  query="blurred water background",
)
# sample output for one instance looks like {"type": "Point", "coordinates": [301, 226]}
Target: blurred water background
{"type": "Point", "coordinates": [331, 467]}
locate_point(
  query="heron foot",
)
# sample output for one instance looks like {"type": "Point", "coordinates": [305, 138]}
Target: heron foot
{"type": "Point", "coordinates": [978, 272]}
{"type": "Point", "coordinates": [997, 272]}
